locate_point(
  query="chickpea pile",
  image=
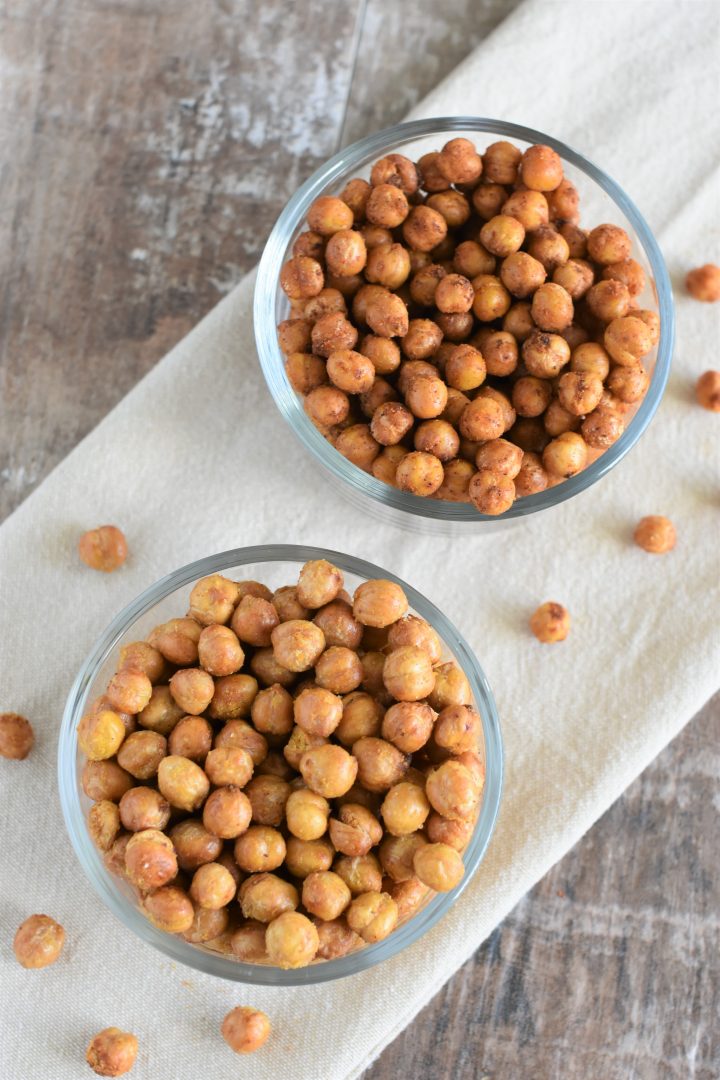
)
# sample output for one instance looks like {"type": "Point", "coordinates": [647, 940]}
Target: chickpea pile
{"type": "Point", "coordinates": [285, 776]}
{"type": "Point", "coordinates": [454, 331]}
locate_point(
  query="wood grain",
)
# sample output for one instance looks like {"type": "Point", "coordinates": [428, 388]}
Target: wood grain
{"type": "Point", "coordinates": [147, 149]}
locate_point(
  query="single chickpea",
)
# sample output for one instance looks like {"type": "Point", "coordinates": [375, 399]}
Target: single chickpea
{"type": "Point", "coordinates": [103, 549]}
{"type": "Point", "coordinates": [471, 259]}
{"type": "Point", "coordinates": [310, 243]}
{"type": "Point", "coordinates": [379, 763]}
{"type": "Point", "coordinates": [531, 396]}
{"type": "Point", "coordinates": [339, 625]}
{"type": "Point", "coordinates": [308, 856]}
{"type": "Point", "coordinates": [488, 200]}
{"type": "Point", "coordinates": [408, 895]}
{"type": "Point", "coordinates": [500, 457]}
{"type": "Point", "coordinates": [182, 782]}
{"type": "Point", "coordinates": [564, 203]}
{"type": "Point", "coordinates": [375, 236]}
{"type": "Point", "coordinates": [294, 336]}
{"type": "Point", "coordinates": [552, 307]}
{"type": "Point", "coordinates": [325, 894]}
{"type": "Point", "coordinates": [408, 725]}
{"type": "Point", "coordinates": [170, 909]}
{"type": "Point", "coordinates": [144, 808]}
{"type": "Point", "coordinates": [150, 859]}
{"type": "Point", "coordinates": [451, 687]}
{"type": "Point", "coordinates": [297, 644]}
{"type": "Point", "coordinates": [239, 734]}
{"type": "Point", "coordinates": [114, 858]}
{"type": "Point", "coordinates": [452, 790]}
{"type": "Point", "coordinates": [356, 193]}
{"type": "Point", "coordinates": [192, 689]}
{"type": "Point", "coordinates": [591, 358]}
{"type": "Point", "coordinates": [307, 814]}
{"type": "Point", "coordinates": [387, 206]}
{"type": "Point", "coordinates": [227, 812]}
{"type": "Point", "coordinates": [355, 830]}
{"type": "Point", "coordinates": [380, 393]}
{"type": "Point", "coordinates": [522, 275]}
{"type": "Point", "coordinates": [336, 939]}
{"type": "Point", "coordinates": [265, 896]}
{"type": "Point", "coordinates": [501, 163]}
{"type": "Point", "coordinates": [491, 493]}
{"type": "Point", "coordinates": [456, 833]}
{"type": "Point", "coordinates": [703, 283]}
{"type": "Point", "coordinates": [438, 438]}
{"type": "Point", "coordinates": [329, 215]}
{"type": "Point", "coordinates": [233, 696]}
{"type": "Point", "coordinates": [244, 1029]}
{"type": "Point", "coordinates": [104, 824]}
{"type": "Point", "coordinates": [454, 293]}
{"type": "Point", "coordinates": [576, 239]}
{"type": "Point", "coordinates": [655, 534]}
{"type": "Point", "coordinates": [502, 235]}
{"type": "Point", "coordinates": [575, 276]}
{"type": "Point", "coordinates": [608, 244]}
{"type": "Point", "coordinates": [350, 371]}
{"type": "Point", "coordinates": [423, 338]}
{"type": "Point", "coordinates": [482, 420]}
{"type": "Point", "coordinates": [319, 583]}
{"type": "Point", "coordinates": [397, 854]}
{"type": "Point", "coordinates": [545, 355]}
{"type": "Point", "coordinates": [388, 265]}
{"type": "Point", "coordinates": [528, 432]}
{"type": "Point", "coordinates": [360, 873]}
{"type": "Point", "coordinates": [177, 640]}
{"type": "Point", "coordinates": [465, 368]}
{"type": "Point", "coordinates": [272, 711]}
{"type": "Point", "coordinates": [529, 207]}
{"type": "Point", "coordinates": [458, 728]}
{"type": "Point", "coordinates": [260, 849]}
{"type": "Point", "coordinates": [291, 940]}
{"type": "Point", "coordinates": [566, 455]}
{"type": "Point", "coordinates": [630, 273]}
{"type": "Point", "coordinates": [652, 322]}
{"type": "Point", "coordinates": [579, 392]}
{"type": "Point", "coordinates": [608, 300]}
{"type": "Point", "coordinates": [357, 444]}
{"type": "Point", "coordinates": [424, 284]}
{"type": "Point", "coordinates": [541, 168]}
{"type": "Point", "coordinates": [112, 1052]}
{"type": "Point", "coordinates": [549, 247]}
{"type": "Point", "coordinates": [328, 300]}
{"type": "Point", "coordinates": [105, 780]}
{"type": "Point", "coordinates": [345, 253]}
{"type": "Point", "coordinates": [431, 179]}
{"type": "Point", "coordinates": [519, 322]}
{"type": "Point", "coordinates": [268, 795]}
{"type": "Point", "coordinates": [424, 228]}
{"type": "Point", "coordinates": [328, 770]}
{"type": "Point", "coordinates": [409, 369]}
{"type": "Point", "coordinates": [557, 420]}
{"type": "Point", "coordinates": [317, 710]}
{"type": "Point", "coordinates": [333, 332]}
{"type": "Point", "coordinates": [298, 744]}
{"type": "Point", "coordinates": [627, 340]}
{"type": "Point", "coordinates": [412, 630]}
{"type": "Point", "coordinates": [373, 915]}
{"type": "Point", "coordinates": [387, 315]}
{"type": "Point", "coordinates": [339, 670]}
{"type": "Point", "coordinates": [390, 423]}
{"type": "Point", "coordinates": [129, 691]}
{"type": "Point", "coordinates": [459, 162]}
{"type": "Point", "coordinates": [213, 599]}
{"type": "Point", "coordinates": [531, 477]}
{"type": "Point", "coordinates": [602, 428]}
{"type": "Point", "coordinates": [404, 809]}
{"type": "Point", "coordinates": [229, 765]}
{"type": "Point", "coordinates": [219, 650]}
{"type": "Point", "coordinates": [361, 716]}
{"type": "Point", "coordinates": [194, 845]}
{"type": "Point", "coordinates": [426, 396]}
{"type": "Point", "coordinates": [286, 603]}
{"type": "Point", "coordinates": [500, 353]}
{"type": "Point", "coordinates": [492, 299]}
{"type": "Point", "coordinates": [301, 278]}
{"type": "Point", "coordinates": [327, 406]}
{"type": "Point", "coordinates": [453, 206]}
{"type": "Point", "coordinates": [550, 623]}
{"type": "Point", "coordinates": [439, 866]}
{"type": "Point", "coordinates": [207, 925]}
{"type": "Point", "coordinates": [383, 353]}
{"type": "Point", "coordinates": [707, 390]}
{"type": "Point", "coordinates": [630, 384]}
{"type": "Point", "coordinates": [100, 735]}
{"type": "Point", "coordinates": [398, 171]}
{"type": "Point", "coordinates": [379, 603]}
{"type": "Point", "coordinates": [139, 656]}
{"type": "Point", "coordinates": [408, 673]}
{"type": "Point", "coordinates": [38, 942]}
{"type": "Point", "coordinates": [248, 942]}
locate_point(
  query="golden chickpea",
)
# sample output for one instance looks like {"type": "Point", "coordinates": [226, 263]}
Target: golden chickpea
{"type": "Point", "coordinates": [361, 716]}
{"type": "Point", "coordinates": [332, 332]}
{"type": "Point", "coordinates": [397, 854]}
{"type": "Point", "coordinates": [408, 673]}
{"type": "Point", "coordinates": [260, 849]}
{"type": "Point", "coordinates": [268, 795]}
{"type": "Point", "coordinates": [129, 691]}
{"type": "Point", "coordinates": [291, 940]}
{"type": "Point", "coordinates": [424, 284]}
{"type": "Point", "coordinates": [213, 599]}
{"type": "Point", "coordinates": [38, 942]}
{"type": "Point", "coordinates": [655, 534]}
{"type": "Point", "coordinates": [412, 630]}
{"type": "Point", "coordinates": [500, 353]}
{"type": "Point", "coordinates": [336, 939]}
{"type": "Point", "coordinates": [298, 744]}
{"type": "Point", "coordinates": [557, 420]}
{"type": "Point", "coordinates": [629, 272]}
{"type": "Point", "coordinates": [16, 736]}
{"type": "Point", "coordinates": [328, 770]}
{"type": "Point", "coordinates": [308, 856]}
{"type": "Point", "coordinates": [492, 299]}
{"type": "Point", "coordinates": [521, 274]}
{"type": "Point", "coordinates": [286, 603]}
{"type": "Point", "coordinates": [150, 859]}
{"type": "Point", "coordinates": [240, 734]}
{"type": "Point", "coordinates": [356, 193]}
{"type": "Point", "coordinates": [608, 300]}
{"type": "Point", "coordinates": [703, 283]}
{"type": "Point", "coordinates": [355, 830]}
{"type": "Point", "coordinates": [350, 371]}
{"type": "Point", "coordinates": [170, 909]}
{"type": "Point", "coordinates": [105, 780]}
{"type": "Point", "coordinates": [207, 924]}
{"type": "Point", "coordinates": [426, 396]}
{"type": "Point", "coordinates": [575, 276]}
{"type": "Point", "coordinates": [627, 340]}
{"type": "Point", "coordinates": [100, 734]}
{"type": "Point", "coordinates": [383, 353]}
{"type": "Point", "coordinates": [608, 244]}
{"type": "Point", "coordinates": [451, 687]}
{"type": "Point", "coordinates": [550, 248]}
{"type": "Point", "coordinates": [459, 162]}
{"type": "Point", "coordinates": [423, 338]}
{"type": "Point", "coordinates": [327, 406]}
{"type": "Point", "coordinates": [566, 455]}
{"type": "Point", "coordinates": [398, 171]}
{"type": "Point", "coordinates": [408, 895]}
{"type": "Point", "coordinates": [602, 428]}
{"type": "Point", "coordinates": [502, 235]}
{"type": "Point", "coordinates": [192, 689]}
{"type": "Point", "coordinates": [182, 782]}
{"type": "Point", "coordinates": [457, 729]}
{"type": "Point", "coordinates": [388, 265]}
{"type": "Point", "coordinates": [471, 259]}
{"type": "Point", "coordinates": [500, 457]}
{"type": "Point", "coordinates": [103, 549]}
{"type": "Point", "coordinates": [452, 790]}
{"type": "Point", "coordinates": [550, 623]}
{"type": "Point", "coordinates": [339, 625]}
{"type": "Point", "coordinates": [529, 207]}
{"type": "Point", "coordinates": [272, 711]}
{"type": "Point", "coordinates": [338, 670]}
{"type": "Point", "coordinates": [373, 915]}
{"type": "Point", "coordinates": [219, 650]}
{"type": "Point", "coordinates": [630, 384]}
{"type": "Point", "coordinates": [144, 808]}
{"type": "Point", "coordinates": [325, 894]}
{"type": "Point", "coordinates": [545, 355]}
{"type": "Point", "coordinates": [307, 814]}
{"type": "Point", "coordinates": [229, 765]}
{"type": "Point", "coordinates": [531, 477]}
{"type": "Point", "coordinates": [404, 809]}
{"type": "Point", "coordinates": [301, 277]}
{"type": "Point", "coordinates": [177, 640]}
{"type": "Point", "coordinates": [228, 811]}
{"type": "Point", "coordinates": [439, 866]}
{"type": "Point", "coordinates": [379, 763]}
{"type": "Point", "coordinates": [456, 833]}
{"type": "Point", "coordinates": [319, 583]}
{"type": "Point", "coordinates": [518, 322]}
{"type": "Point", "coordinates": [465, 368]}
{"type": "Point", "coordinates": [104, 824]}
{"type": "Point", "coordinates": [248, 942]}
{"type": "Point", "coordinates": [552, 307]}
{"type": "Point", "coordinates": [482, 420]}
{"type": "Point", "coordinates": [297, 644]}
{"type": "Point", "coordinates": [431, 179]}
{"type": "Point", "coordinates": [491, 492]}
{"type": "Point", "coordinates": [245, 1030]}
{"type": "Point", "coordinates": [194, 845]}
{"type": "Point", "coordinates": [591, 358]}
{"type": "Point", "coordinates": [361, 873]}
{"type": "Point", "coordinates": [453, 206]}
{"type": "Point", "coordinates": [531, 396]}
{"type": "Point", "coordinates": [707, 390]}
{"type": "Point", "coordinates": [409, 369]}
{"type": "Point", "coordinates": [329, 215]}
{"type": "Point", "coordinates": [529, 433]}
{"type": "Point", "coordinates": [265, 896]}
{"type": "Point", "coordinates": [501, 162]}
{"type": "Point", "coordinates": [114, 858]}
{"type": "Point", "coordinates": [294, 336]}
{"type": "Point", "coordinates": [576, 239]}
{"type": "Point", "coordinates": [162, 713]}
{"type": "Point", "coordinates": [391, 423]}
{"type": "Point", "coordinates": [140, 656]}
{"type": "Point", "coordinates": [309, 243]}
{"type": "Point", "coordinates": [454, 293]}
{"type": "Point", "coordinates": [112, 1052]}
{"type": "Point", "coordinates": [579, 392]}
{"type": "Point", "coordinates": [345, 253]}
{"type": "Point", "coordinates": [424, 228]}
{"type": "Point", "coordinates": [379, 603]}
{"type": "Point", "coordinates": [234, 695]}
{"type": "Point", "coordinates": [488, 200]}
{"type": "Point", "coordinates": [564, 203]}
{"type": "Point", "coordinates": [358, 446]}
{"type": "Point", "coordinates": [387, 315]}
{"type": "Point", "coordinates": [387, 206]}
{"type": "Point", "coordinates": [541, 168]}
{"type": "Point", "coordinates": [408, 725]}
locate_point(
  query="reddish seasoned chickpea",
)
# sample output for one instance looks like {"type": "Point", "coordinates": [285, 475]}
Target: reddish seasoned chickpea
{"type": "Point", "coordinates": [350, 371]}
{"type": "Point", "coordinates": [213, 599]}
{"type": "Point", "coordinates": [177, 640]}
{"type": "Point", "coordinates": [602, 428]}
{"type": "Point", "coordinates": [541, 168]}
{"type": "Point", "coordinates": [361, 716]}
{"type": "Point", "coordinates": [451, 687]}
{"type": "Point", "coordinates": [387, 206]}
{"type": "Point", "coordinates": [325, 894]}
{"type": "Point", "coordinates": [388, 265]}
{"type": "Point", "coordinates": [38, 942]}
{"type": "Point", "coordinates": [439, 866]}
{"type": "Point", "coordinates": [294, 336]}
{"type": "Point", "coordinates": [627, 340]}
{"type": "Point", "coordinates": [140, 656]}
{"type": "Point", "coordinates": [453, 206]}
{"type": "Point", "coordinates": [501, 162]}
{"type": "Point", "coordinates": [408, 673]}
{"type": "Point", "coordinates": [355, 830]}
{"type": "Point", "coordinates": [390, 423]}
{"type": "Point", "coordinates": [408, 725]}
{"type": "Point", "coordinates": [104, 824]}
{"type": "Point", "coordinates": [457, 729]}
{"type": "Point", "coordinates": [112, 1052]}
{"type": "Point", "coordinates": [591, 358]}
{"type": "Point", "coordinates": [412, 630]}
{"type": "Point", "coordinates": [265, 896]}
{"type": "Point", "coordinates": [492, 299]}
{"type": "Point", "coordinates": [308, 856]}
{"type": "Point", "coordinates": [452, 790]}
{"type": "Point", "coordinates": [238, 733]}
{"type": "Point", "coordinates": [386, 314]}
{"type": "Point", "coordinates": [339, 625]}
{"type": "Point", "coordinates": [170, 909]}
{"type": "Point", "coordinates": [144, 808]}
{"type": "Point", "coordinates": [229, 765]}
{"type": "Point", "coordinates": [549, 247]}
{"type": "Point", "coordinates": [552, 307]}
{"type": "Point", "coordinates": [332, 332]}
{"type": "Point", "coordinates": [531, 476]}
{"type": "Point", "coordinates": [629, 384]}
{"type": "Point", "coordinates": [655, 534]}
{"type": "Point", "coordinates": [355, 194]}
{"type": "Point", "coordinates": [550, 623]}
{"type": "Point", "coordinates": [227, 812]}
{"type": "Point", "coordinates": [431, 179]}
{"type": "Point", "coordinates": [404, 809]}
{"type": "Point", "coordinates": [103, 780]}
{"type": "Point", "coordinates": [608, 244]}
{"type": "Point", "coordinates": [529, 207]}
{"type": "Point", "coordinates": [558, 420]}
{"type": "Point", "coordinates": [502, 235]}
{"type": "Point", "coordinates": [309, 243]}
{"type": "Point", "coordinates": [219, 650]}
{"type": "Point", "coordinates": [327, 406]}
{"type": "Point", "coordinates": [379, 763]}
{"type": "Point", "coordinates": [358, 446]}
{"type": "Point", "coordinates": [379, 603]}
{"type": "Point", "coordinates": [629, 272]}
{"type": "Point", "coordinates": [465, 368]}
{"type": "Point", "coordinates": [207, 924]}
{"type": "Point", "coordinates": [329, 770]}
{"type": "Point", "coordinates": [398, 171]}
{"type": "Point", "coordinates": [259, 849]}
{"type": "Point", "coordinates": [707, 390]}
{"type": "Point", "coordinates": [482, 420]}
{"type": "Point", "coordinates": [307, 814]}
{"type": "Point", "coordinates": [471, 259]}
{"type": "Point", "coordinates": [491, 492]}
{"type": "Point", "coordinates": [454, 293]}
{"type": "Point", "coordinates": [500, 353]}
{"type": "Point", "coordinates": [129, 691]}
{"type": "Point", "coordinates": [579, 392]}
{"type": "Point", "coordinates": [397, 854]}
{"type": "Point", "coordinates": [531, 396]}
{"type": "Point", "coordinates": [192, 689]}
{"type": "Point", "coordinates": [291, 940]}
{"type": "Point", "coordinates": [576, 239]}
{"type": "Point", "coordinates": [564, 203]}
{"type": "Point", "coordinates": [518, 321]}
{"type": "Point", "coordinates": [424, 228]}
{"type": "Point", "coordinates": [345, 253]}
{"type": "Point", "coordinates": [245, 1030]}
{"type": "Point", "coordinates": [194, 845]}
{"type": "Point", "coordinates": [500, 457]}
{"type": "Point", "coordinates": [336, 938]}
{"type": "Point", "coordinates": [521, 274]}
{"type": "Point", "coordinates": [608, 300]}
{"type": "Point", "coordinates": [703, 283]}
{"type": "Point", "coordinates": [423, 338]}
{"type": "Point", "coordinates": [301, 277]}
{"type": "Point", "coordinates": [383, 353]}
{"type": "Point", "coordinates": [566, 455]}
{"type": "Point", "coordinates": [100, 734]}
{"type": "Point", "coordinates": [103, 549]}
{"type": "Point", "coordinates": [459, 162]}
{"type": "Point", "coordinates": [456, 833]}
{"type": "Point", "coordinates": [575, 276]}
{"type": "Point", "coordinates": [248, 942]}
{"type": "Point", "coordinates": [424, 284]}
{"type": "Point", "coordinates": [488, 200]}
{"type": "Point", "coordinates": [375, 236]}
{"type": "Point", "coordinates": [268, 795]}
{"type": "Point", "coordinates": [329, 215]}
{"type": "Point", "coordinates": [361, 873]}
{"type": "Point", "coordinates": [150, 859]}
{"type": "Point", "coordinates": [545, 355]}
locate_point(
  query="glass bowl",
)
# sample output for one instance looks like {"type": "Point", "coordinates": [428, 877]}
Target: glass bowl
{"type": "Point", "coordinates": [275, 565]}
{"type": "Point", "coordinates": [602, 199]}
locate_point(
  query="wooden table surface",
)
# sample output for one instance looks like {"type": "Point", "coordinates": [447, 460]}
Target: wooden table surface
{"type": "Point", "coordinates": [147, 148]}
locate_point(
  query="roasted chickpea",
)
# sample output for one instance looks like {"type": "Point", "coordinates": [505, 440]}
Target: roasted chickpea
{"type": "Point", "coordinates": [345, 253]}
{"type": "Point", "coordinates": [391, 423]}
{"type": "Point", "coordinates": [531, 396]}
{"type": "Point", "coordinates": [325, 894]}
{"type": "Point", "coordinates": [397, 854]}
{"type": "Point", "coordinates": [194, 845]}
{"type": "Point", "coordinates": [361, 873]}
{"type": "Point", "coordinates": [550, 248]}
{"type": "Point", "coordinates": [112, 1052]}
{"type": "Point", "coordinates": [387, 206]}
{"type": "Point", "coordinates": [329, 215]}
{"type": "Point", "coordinates": [336, 939]}
{"type": "Point", "coordinates": [424, 228]}
{"type": "Point", "coordinates": [245, 1030]}
{"type": "Point", "coordinates": [144, 808]}
{"type": "Point", "coordinates": [552, 307]}
{"type": "Point", "coordinates": [265, 896]}
{"type": "Point", "coordinates": [182, 782]}
{"type": "Point", "coordinates": [355, 830]}
{"type": "Point", "coordinates": [629, 384]}
{"type": "Point", "coordinates": [254, 620]}
{"type": "Point", "coordinates": [357, 444]}
{"type": "Point", "coordinates": [140, 656]}
{"type": "Point", "coordinates": [339, 625]}
{"type": "Point", "coordinates": [471, 259]}
{"type": "Point", "coordinates": [529, 433]}
{"type": "Point", "coordinates": [129, 691]}
{"type": "Point", "coordinates": [150, 859]}
{"type": "Point", "coordinates": [220, 651]}
{"type": "Point", "coordinates": [459, 162]}
{"type": "Point", "coordinates": [228, 811]}
{"type": "Point", "coordinates": [38, 942]}
{"type": "Point", "coordinates": [298, 744]}
{"type": "Point", "coordinates": [541, 168]}
{"type": "Point", "coordinates": [388, 265]}
{"type": "Point", "coordinates": [350, 371]}
{"type": "Point", "coordinates": [575, 276]}
{"type": "Point", "coordinates": [518, 322]}
{"type": "Point", "coordinates": [272, 711]}
{"type": "Point", "coordinates": [502, 235]}
{"type": "Point", "coordinates": [550, 623]}
{"type": "Point", "coordinates": [431, 179]}
{"type": "Point", "coordinates": [500, 457]}
{"type": "Point", "coordinates": [404, 809]}
{"type": "Point", "coordinates": [591, 358]}
{"type": "Point", "coordinates": [114, 858]}
{"type": "Point", "coordinates": [545, 355]}
{"type": "Point", "coordinates": [229, 765]}
{"type": "Point", "coordinates": [177, 640]}
{"type": "Point", "coordinates": [457, 729]}
{"type": "Point", "coordinates": [238, 733]}
{"type": "Point", "coordinates": [307, 814]}
{"type": "Point", "coordinates": [105, 780]}
{"type": "Point", "coordinates": [608, 244]}
{"type": "Point", "coordinates": [234, 695]}
{"type": "Point", "coordinates": [291, 940]}
{"type": "Point", "coordinates": [465, 368]}
{"type": "Point", "coordinates": [297, 644]}
{"type": "Point", "coordinates": [501, 162]}
{"type": "Point", "coordinates": [456, 833]}
{"type": "Point", "coordinates": [16, 736]}
{"type": "Point", "coordinates": [453, 206]}
{"type": "Point", "coordinates": [170, 908]}
{"type": "Point", "coordinates": [308, 856]}
{"type": "Point", "coordinates": [655, 534]}
{"type": "Point", "coordinates": [328, 770]}
{"type": "Point", "coordinates": [260, 849]}
{"type": "Point", "coordinates": [408, 726]}
{"type": "Point", "coordinates": [451, 687]}
{"type": "Point", "coordinates": [338, 670]}
{"type": "Point", "coordinates": [294, 336]}
{"type": "Point", "coordinates": [408, 674]}
{"type": "Point", "coordinates": [379, 763]}
{"type": "Point", "coordinates": [327, 406]}
{"type": "Point", "coordinates": [630, 273]}
{"type": "Point", "coordinates": [707, 390]}
{"type": "Point", "coordinates": [103, 549]}
{"type": "Point", "coordinates": [100, 734]}
{"type": "Point", "coordinates": [482, 420]}
{"type": "Point", "coordinates": [310, 243]}
{"type": "Point", "coordinates": [452, 790]}
{"type": "Point", "coordinates": [383, 353]}
{"type": "Point", "coordinates": [398, 171]}
{"type": "Point", "coordinates": [213, 599]}
{"type": "Point", "coordinates": [491, 492]}
{"type": "Point", "coordinates": [608, 300]}
{"type": "Point", "coordinates": [426, 396]}
{"type": "Point", "coordinates": [422, 340]}
{"type": "Point", "coordinates": [333, 332]}
{"type": "Point", "coordinates": [703, 283]}
{"type": "Point", "coordinates": [529, 207]}
{"type": "Point", "coordinates": [104, 824]}
{"type": "Point", "coordinates": [268, 795]}
{"type": "Point", "coordinates": [207, 924]}
{"type": "Point", "coordinates": [579, 392]}
{"type": "Point", "coordinates": [576, 239]}
{"type": "Point", "coordinates": [558, 420]}
{"type": "Point", "coordinates": [356, 193]}
{"type": "Point", "coordinates": [564, 203]}
{"type": "Point", "coordinates": [453, 294]}
{"type": "Point", "coordinates": [566, 455]}
{"type": "Point", "coordinates": [286, 603]}
{"type": "Point", "coordinates": [379, 603]}
{"type": "Point", "coordinates": [248, 942]}
{"type": "Point", "coordinates": [602, 428]}
{"type": "Point", "coordinates": [386, 314]}
{"type": "Point", "coordinates": [361, 716]}
{"type": "Point", "coordinates": [439, 866]}
{"type": "Point", "coordinates": [627, 340]}
{"type": "Point", "coordinates": [424, 284]}
{"type": "Point", "coordinates": [192, 689]}
{"type": "Point", "coordinates": [521, 274]}
{"type": "Point", "coordinates": [531, 476]}
{"type": "Point", "coordinates": [301, 277]}
{"type": "Point", "coordinates": [492, 299]}
{"type": "Point", "coordinates": [412, 630]}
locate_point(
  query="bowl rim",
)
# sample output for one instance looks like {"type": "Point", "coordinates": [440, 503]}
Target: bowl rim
{"type": "Point", "coordinates": [195, 956]}
{"type": "Point", "coordinates": [272, 360]}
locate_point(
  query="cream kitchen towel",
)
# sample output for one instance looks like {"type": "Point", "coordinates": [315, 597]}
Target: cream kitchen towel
{"type": "Point", "coordinates": [196, 460]}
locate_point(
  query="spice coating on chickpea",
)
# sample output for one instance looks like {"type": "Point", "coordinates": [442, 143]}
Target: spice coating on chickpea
{"type": "Point", "coordinates": [550, 622]}
{"type": "Point", "coordinates": [112, 1052]}
{"type": "Point", "coordinates": [291, 940]}
{"type": "Point", "coordinates": [703, 283]}
{"type": "Point", "coordinates": [439, 866]}
{"type": "Point", "coordinates": [655, 534]}
{"type": "Point", "coordinates": [38, 942]}
{"type": "Point", "coordinates": [245, 1030]}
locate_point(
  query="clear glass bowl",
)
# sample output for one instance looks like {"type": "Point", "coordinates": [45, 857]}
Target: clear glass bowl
{"type": "Point", "coordinates": [274, 565]}
{"type": "Point", "coordinates": [601, 200]}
